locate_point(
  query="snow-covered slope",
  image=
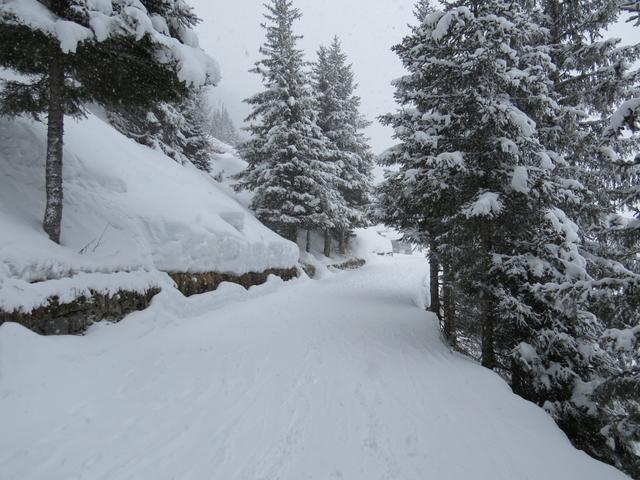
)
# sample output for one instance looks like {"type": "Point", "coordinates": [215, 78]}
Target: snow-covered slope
{"type": "Point", "coordinates": [226, 164]}
{"type": "Point", "coordinates": [127, 208]}
{"type": "Point", "coordinates": [342, 378]}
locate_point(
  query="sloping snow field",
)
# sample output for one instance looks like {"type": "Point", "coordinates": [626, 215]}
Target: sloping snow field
{"type": "Point", "coordinates": [127, 208]}
{"type": "Point", "coordinates": [342, 378]}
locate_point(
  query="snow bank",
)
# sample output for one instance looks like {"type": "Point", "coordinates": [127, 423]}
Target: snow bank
{"type": "Point", "coordinates": [127, 208]}
{"type": "Point", "coordinates": [371, 241]}
{"type": "Point", "coordinates": [18, 295]}
{"type": "Point", "coordinates": [226, 164]}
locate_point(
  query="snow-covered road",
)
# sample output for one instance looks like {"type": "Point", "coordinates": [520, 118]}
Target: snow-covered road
{"type": "Point", "coordinates": [342, 378]}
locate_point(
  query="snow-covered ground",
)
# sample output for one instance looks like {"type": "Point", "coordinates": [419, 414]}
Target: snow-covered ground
{"type": "Point", "coordinates": [127, 208]}
{"type": "Point", "coordinates": [342, 378]}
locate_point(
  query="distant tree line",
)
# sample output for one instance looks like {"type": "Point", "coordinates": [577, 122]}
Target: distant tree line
{"type": "Point", "coordinates": [222, 127]}
{"type": "Point", "coordinates": [182, 130]}
{"type": "Point", "coordinates": [515, 171]}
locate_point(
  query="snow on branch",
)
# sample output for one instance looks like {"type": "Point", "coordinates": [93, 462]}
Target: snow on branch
{"type": "Point", "coordinates": [487, 204]}
{"type": "Point", "coordinates": [194, 66]}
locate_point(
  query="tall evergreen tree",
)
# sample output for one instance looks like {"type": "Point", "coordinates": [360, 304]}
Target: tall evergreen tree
{"type": "Point", "coordinates": [77, 51]}
{"type": "Point", "coordinates": [287, 153]}
{"type": "Point", "coordinates": [341, 122]}
{"type": "Point", "coordinates": [592, 78]}
{"type": "Point", "coordinates": [486, 179]}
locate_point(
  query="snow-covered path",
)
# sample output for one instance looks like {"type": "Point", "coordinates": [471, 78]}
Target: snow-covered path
{"type": "Point", "coordinates": [342, 378]}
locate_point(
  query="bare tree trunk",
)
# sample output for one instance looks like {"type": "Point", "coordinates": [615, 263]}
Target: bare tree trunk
{"type": "Point", "coordinates": [327, 243]}
{"type": "Point", "coordinates": [517, 378]}
{"type": "Point", "coordinates": [55, 132]}
{"type": "Point", "coordinates": [434, 286]}
{"type": "Point", "coordinates": [488, 326]}
{"type": "Point", "coordinates": [487, 315]}
{"type": "Point", "coordinates": [308, 246]}
{"type": "Point", "coordinates": [291, 234]}
{"type": "Point", "coordinates": [449, 301]}
{"type": "Point", "coordinates": [342, 245]}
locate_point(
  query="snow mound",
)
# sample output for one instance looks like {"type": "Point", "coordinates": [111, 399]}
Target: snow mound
{"type": "Point", "coordinates": [226, 164]}
{"type": "Point", "coordinates": [127, 208]}
{"type": "Point", "coordinates": [372, 241]}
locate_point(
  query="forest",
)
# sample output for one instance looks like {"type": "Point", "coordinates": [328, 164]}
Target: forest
{"type": "Point", "coordinates": [189, 294]}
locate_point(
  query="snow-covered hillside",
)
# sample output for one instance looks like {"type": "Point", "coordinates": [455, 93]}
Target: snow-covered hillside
{"type": "Point", "coordinates": [341, 378]}
{"type": "Point", "coordinates": [127, 208]}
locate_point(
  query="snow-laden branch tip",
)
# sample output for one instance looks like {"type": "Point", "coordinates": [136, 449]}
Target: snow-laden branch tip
{"type": "Point", "coordinates": [487, 204]}
{"type": "Point", "coordinates": [194, 66]}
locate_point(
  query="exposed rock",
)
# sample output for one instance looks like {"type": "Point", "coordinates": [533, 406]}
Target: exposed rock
{"type": "Point", "coordinates": [197, 283]}
{"type": "Point", "coordinates": [351, 264]}
{"type": "Point", "coordinates": [75, 317]}
{"type": "Point", "coordinates": [309, 269]}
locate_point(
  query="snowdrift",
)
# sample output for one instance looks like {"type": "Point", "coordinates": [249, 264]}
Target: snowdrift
{"type": "Point", "coordinates": [127, 208]}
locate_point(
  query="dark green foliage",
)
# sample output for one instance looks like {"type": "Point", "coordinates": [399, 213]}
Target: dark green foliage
{"type": "Point", "coordinates": [114, 63]}
{"type": "Point", "coordinates": [504, 171]}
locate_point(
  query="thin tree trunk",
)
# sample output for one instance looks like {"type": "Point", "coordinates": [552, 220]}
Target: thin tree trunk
{"type": "Point", "coordinates": [487, 314]}
{"type": "Point", "coordinates": [55, 132]}
{"type": "Point", "coordinates": [308, 246]}
{"type": "Point", "coordinates": [517, 378]}
{"type": "Point", "coordinates": [434, 287]}
{"type": "Point", "coordinates": [342, 245]}
{"type": "Point", "coordinates": [488, 326]}
{"type": "Point", "coordinates": [291, 234]}
{"type": "Point", "coordinates": [449, 301]}
{"type": "Point", "coordinates": [327, 243]}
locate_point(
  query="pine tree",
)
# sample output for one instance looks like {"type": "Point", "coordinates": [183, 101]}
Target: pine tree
{"type": "Point", "coordinates": [341, 122]}
{"type": "Point", "coordinates": [490, 178]}
{"type": "Point", "coordinates": [80, 51]}
{"type": "Point", "coordinates": [592, 78]}
{"type": "Point", "coordinates": [287, 153]}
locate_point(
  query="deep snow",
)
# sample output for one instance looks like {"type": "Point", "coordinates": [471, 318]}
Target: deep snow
{"type": "Point", "coordinates": [127, 208]}
{"type": "Point", "coordinates": [342, 378]}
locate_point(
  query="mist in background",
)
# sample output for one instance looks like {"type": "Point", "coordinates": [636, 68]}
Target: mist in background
{"type": "Point", "coordinates": [231, 33]}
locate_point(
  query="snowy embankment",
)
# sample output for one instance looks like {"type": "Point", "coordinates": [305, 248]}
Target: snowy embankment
{"type": "Point", "coordinates": [342, 378]}
{"type": "Point", "coordinates": [127, 208]}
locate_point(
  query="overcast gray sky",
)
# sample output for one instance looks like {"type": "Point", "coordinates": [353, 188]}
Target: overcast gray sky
{"type": "Point", "coordinates": [231, 33]}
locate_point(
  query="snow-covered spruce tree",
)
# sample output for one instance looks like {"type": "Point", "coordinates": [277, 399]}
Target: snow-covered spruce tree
{"type": "Point", "coordinates": [287, 153]}
{"type": "Point", "coordinates": [72, 52]}
{"type": "Point", "coordinates": [480, 181]}
{"type": "Point", "coordinates": [221, 126]}
{"type": "Point", "coordinates": [625, 124]}
{"type": "Point", "coordinates": [591, 79]}
{"type": "Point", "coordinates": [341, 122]}
{"type": "Point", "coordinates": [178, 129]}
{"type": "Point", "coordinates": [617, 397]}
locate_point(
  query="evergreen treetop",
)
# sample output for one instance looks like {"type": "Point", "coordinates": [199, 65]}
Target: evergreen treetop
{"type": "Point", "coordinates": [287, 171]}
